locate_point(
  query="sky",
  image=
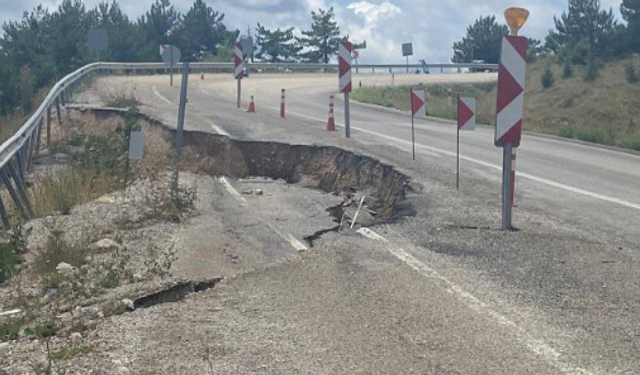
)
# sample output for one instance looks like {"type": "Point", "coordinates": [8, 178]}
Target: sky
{"type": "Point", "coordinates": [431, 25]}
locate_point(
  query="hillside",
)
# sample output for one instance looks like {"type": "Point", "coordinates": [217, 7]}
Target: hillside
{"type": "Point", "coordinates": [606, 111]}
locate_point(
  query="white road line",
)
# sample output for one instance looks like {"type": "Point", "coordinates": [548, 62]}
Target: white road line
{"type": "Point", "coordinates": [528, 176]}
{"type": "Point", "coordinates": [155, 91]}
{"type": "Point", "coordinates": [432, 153]}
{"type": "Point", "coordinates": [234, 193]}
{"type": "Point", "coordinates": [299, 246]}
{"type": "Point", "coordinates": [537, 346]}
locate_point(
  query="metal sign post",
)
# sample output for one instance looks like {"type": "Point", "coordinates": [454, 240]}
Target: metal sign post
{"type": "Point", "coordinates": [419, 109]}
{"type": "Point", "coordinates": [466, 122]}
{"type": "Point", "coordinates": [171, 56]}
{"type": "Point", "coordinates": [510, 104]}
{"type": "Point", "coordinates": [238, 69]}
{"type": "Point", "coordinates": [344, 80]}
{"type": "Point", "coordinates": [407, 50]}
{"type": "Point", "coordinates": [181, 114]}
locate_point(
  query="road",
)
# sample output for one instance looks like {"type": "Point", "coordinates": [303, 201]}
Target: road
{"type": "Point", "coordinates": [559, 296]}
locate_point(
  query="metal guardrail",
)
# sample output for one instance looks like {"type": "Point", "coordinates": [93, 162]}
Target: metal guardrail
{"type": "Point", "coordinates": [17, 152]}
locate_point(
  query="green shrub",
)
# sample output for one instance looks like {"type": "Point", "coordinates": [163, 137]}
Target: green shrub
{"type": "Point", "coordinates": [10, 331]}
{"type": "Point", "coordinates": [592, 72]}
{"type": "Point", "coordinates": [58, 251]}
{"type": "Point", "coordinates": [547, 79]}
{"type": "Point", "coordinates": [631, 74]}
{"type": "Point", "coordinates": [567, 70]}
{"type": "Point", "coordinates": [8, 260]}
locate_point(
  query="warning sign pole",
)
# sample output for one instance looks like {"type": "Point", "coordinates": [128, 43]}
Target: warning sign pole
{"type": "Point", "coordinates": [510, 104]}
{"type": "Point", "coordinates": [344, 81]}
{"type": "Point", "coordinates": [238, 69]}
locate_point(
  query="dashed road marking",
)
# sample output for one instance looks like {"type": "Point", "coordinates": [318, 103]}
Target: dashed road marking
{"type": "Point", "coordinates": [537, 346]}
{"type": "Point", "coordinates": [157, 93]}
{"type": "Point", "coordinates": [299, 246]}
{"type": "Point", "coordinates": [234, 193]}
{"type": "Point", "coordinates": [289, 238]}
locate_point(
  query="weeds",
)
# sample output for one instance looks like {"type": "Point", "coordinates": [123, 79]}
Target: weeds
{"type": "Point", "coordinates": [631, 74]}
{"type": "Point", "coordinates": [122, 98]}
{"type": "Point", "coordinates": [547, 80]}
{"type": "Point", "coordinates": [58, 251]}
{"type": "Point", "coordinates": [71, 352]}
{"type": "Point", "coordinates": [8, 260]}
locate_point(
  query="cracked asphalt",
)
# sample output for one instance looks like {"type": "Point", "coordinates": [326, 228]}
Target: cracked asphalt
{"type": "Point", "coordinates": [442, 291]}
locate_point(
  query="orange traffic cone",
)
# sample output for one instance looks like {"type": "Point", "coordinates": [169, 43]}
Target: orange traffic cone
{"type": "Point", "coordinates": [331, 124]}
{"type": "Point", "coordinates": [252, 106]}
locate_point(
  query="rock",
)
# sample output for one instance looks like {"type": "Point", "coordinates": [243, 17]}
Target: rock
{"type": "Point", "coordinates": [123, 371]}
{"type": "Point", "coordinates": [128, 304]}
{"type": "Point", "coordinates": [4, 348]}
{"type": "Point", "coordinates": [137, 277]}
{"type": "Point", "coordinates": [75, 338]}
{"type": "Point", "coordinates": [106, 244]}
{"type": "Point", "coordinates": [10, 312]}
{"type": "Point", "coordinates": [258, 192]}
{"type": "Point", "coordinates": [64, 269]}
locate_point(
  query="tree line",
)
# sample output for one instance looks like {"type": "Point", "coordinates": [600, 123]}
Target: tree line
{"type": "Point", "coordinates": [585, 34]}
{"type": "Point", "coordinates": [44, 45]}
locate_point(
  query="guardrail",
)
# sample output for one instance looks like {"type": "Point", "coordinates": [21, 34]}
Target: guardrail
{"type": "Point", "coordinates": [17, 152]}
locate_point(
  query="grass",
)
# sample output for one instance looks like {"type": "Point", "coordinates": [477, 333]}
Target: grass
{"type": "Point", "coordinates": [71, 352]}
{"type": "Point", "coordinates": [604, 111]}
{"type": "Point", "coordinates": [58, 251]}
{"type": "Point", "coordinates": [8, 260]}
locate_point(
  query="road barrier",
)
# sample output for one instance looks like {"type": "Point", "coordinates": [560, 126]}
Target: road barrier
{"type": "Point", "coordinates": [252, 106]}
{"type": "Point", "coordinates": [331, 123]}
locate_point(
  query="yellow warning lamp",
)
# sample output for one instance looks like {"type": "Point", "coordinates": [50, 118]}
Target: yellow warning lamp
{"type": "Point", "coordinates": [516, 18]}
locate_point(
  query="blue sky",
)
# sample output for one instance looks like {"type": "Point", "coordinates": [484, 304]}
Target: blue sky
{"type": "Point", "coordinates": [432, 25]}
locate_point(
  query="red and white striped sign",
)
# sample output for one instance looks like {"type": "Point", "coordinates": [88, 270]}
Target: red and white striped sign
{"type": "Point", "coordinates": [419, 103]}
{"type": "Point", "coordinates": [344, 64]}
{"type": "Point", "coordinates": [466, 114]}
{"type": "Point", "coordinates": [238, 61]}
{"type": "Point", "coordinates": [511, 83]}
{"type": "Point", "coordinates": [282, 102]}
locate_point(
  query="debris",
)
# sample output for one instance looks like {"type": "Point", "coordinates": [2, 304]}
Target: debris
{"type": "Point", "coordinates": [4, 348]}
{"type": "Point", "coordinates": [358, 212]}
{"type": "Point", "coordinates": [64, 269]}
{"type": "Point", "coordinates": [123, 371]}
{"type": "Point", "coordinates": [106, 244]}
{"type": "Point", "coordinates": [252, 192]}
{"type": "Point", "coordinates": [128, 304]}
{"type": "Point", "coordinates": [10, 312]}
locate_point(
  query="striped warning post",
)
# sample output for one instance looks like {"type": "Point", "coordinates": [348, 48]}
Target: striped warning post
{"type": "Point", "coordinates": [511, 84]}
{"type": "Point", "coordinates": [282, 98]}
{"type": "Point", "coordinates": [344, 65]}
{"type": "Point", "coordinates": [238, 61]}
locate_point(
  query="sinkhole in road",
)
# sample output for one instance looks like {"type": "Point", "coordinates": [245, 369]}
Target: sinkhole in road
{"type": "Point", "coordinates": [328, 168]}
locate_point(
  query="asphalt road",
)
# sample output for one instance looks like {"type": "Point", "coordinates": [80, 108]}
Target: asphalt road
{"type": "Point", "coordinates": [560, 296]}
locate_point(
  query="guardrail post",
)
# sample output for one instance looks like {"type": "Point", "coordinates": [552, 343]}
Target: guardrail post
{"type": "Point", "coordinates": [22, 187]}
{"type": "Point", "coordinates": [12, 192]}
{"type": "Point", "coordinates": [5, 217]}
{"type": "Point", "coordinates": [48, 127]}
{"type": "Point", "coordinates": [59, 110]}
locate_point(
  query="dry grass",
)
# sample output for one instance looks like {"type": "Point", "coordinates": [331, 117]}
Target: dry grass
{"type": "Point", "coordinates": [59, 192]}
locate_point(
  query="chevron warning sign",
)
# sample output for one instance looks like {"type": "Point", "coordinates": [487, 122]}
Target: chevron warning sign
{"type": "Point", "coordinates": [344, 64]}
{"type": "Point", "coordinates": [466, 114]}
{"type": "Point", "coordinates": [238, 61]}
{"type": "Point", "coordinates": [511, 83]}
{"type": "Point", "coordinates": [419, 103]}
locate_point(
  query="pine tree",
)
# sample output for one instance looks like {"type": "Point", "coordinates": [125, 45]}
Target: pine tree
{"type": "Point", "coordinates": [630, 10]}
{"type": "Point", "coordinates": [482, 42]}
{"type": "Point", "coordinates": [201, 31]}
{"type": "Point", "coordinates": [584, 21]}
{"type": "Point", "coordinates": [276, 45]}
{"type": "Point", "coordinates": [159, 25]}
{"type": "Point", "coordinates": [323, 39]}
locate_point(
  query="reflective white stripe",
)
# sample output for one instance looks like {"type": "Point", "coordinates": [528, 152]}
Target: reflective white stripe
{"type": "Point", "coordinates": [471, 104]}
{"type": "Point", "coordinates": [509, 116]}
{"type": "Point", "coordinates": [513, 62]}
{"type": "Point", "coordinates": [345, 80]}
{"type": "Point", "coordinates": [422, 95]}
{"type": "Point", "coordinates": [344, 54]}
{"type": "Point", "coordinates": [239, 69]}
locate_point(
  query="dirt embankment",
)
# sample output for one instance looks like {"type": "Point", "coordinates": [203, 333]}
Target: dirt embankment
{"type": "Point", "coordinates": [330, 169]}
